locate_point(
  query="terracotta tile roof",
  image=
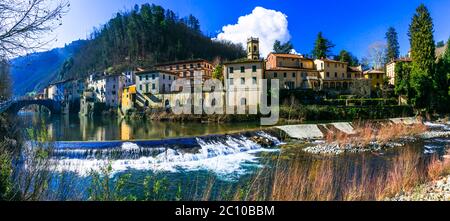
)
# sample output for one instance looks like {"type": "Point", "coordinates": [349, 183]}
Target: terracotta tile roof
{"type": "Point", "coordinates": [355, 69]}
{"type": "Point", "coordinates": [287, 55]}
{"type": "Point", "coordinates": [289, 69]}
{"type": "Point", "coordinates": [156, 71]}
{"type": "Point", "coordinates": [182, 62]}
{"type": "Point", "coordinates": [332, 61]}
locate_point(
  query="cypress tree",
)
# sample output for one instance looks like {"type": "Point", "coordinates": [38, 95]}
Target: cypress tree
{"type": "Point", "coordinates": [393, 47]}
{"type": "Point", "coordinates": [423, 55]}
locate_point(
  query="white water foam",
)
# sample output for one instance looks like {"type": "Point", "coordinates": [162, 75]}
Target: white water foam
{"type": "Point", "coordinates": [224, 158]}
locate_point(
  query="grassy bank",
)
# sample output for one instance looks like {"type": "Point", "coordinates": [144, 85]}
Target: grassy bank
{"type": "Point", "coordinates": [294, 113]}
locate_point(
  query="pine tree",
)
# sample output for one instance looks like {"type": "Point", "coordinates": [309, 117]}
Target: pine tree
{"type": "Point", "coordinates": [423, 55]}
{"type": "Point", "coordinates": [346, 56]}
{"type": "Point", "coordinates": [322, 47]}
{"type": "Point", "coordinates": [393, 47]}
{"type": "Point", "coordinates": [285, 48]}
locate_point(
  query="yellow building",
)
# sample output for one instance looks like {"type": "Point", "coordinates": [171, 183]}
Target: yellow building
{"type": "Point", "coordinates": [376, 76]}
{"type": "Point", "coordinates": [128, 98]}
{"type": "Point", "coordinates": [293, 71]}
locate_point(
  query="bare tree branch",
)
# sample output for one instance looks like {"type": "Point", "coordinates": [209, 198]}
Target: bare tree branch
{"type": "Point", "coordinates": [23, 24]}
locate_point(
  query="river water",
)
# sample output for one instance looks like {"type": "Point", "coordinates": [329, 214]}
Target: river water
{"type": "Point", "coordinates": [170, 161]}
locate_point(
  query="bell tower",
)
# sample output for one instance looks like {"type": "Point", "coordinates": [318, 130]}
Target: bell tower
{"type": "Point", "coordinates": [253, 48]}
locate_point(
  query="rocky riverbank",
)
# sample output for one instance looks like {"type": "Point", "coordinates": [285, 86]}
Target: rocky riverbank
{"type": "Point", "coordinates": [434, 191]}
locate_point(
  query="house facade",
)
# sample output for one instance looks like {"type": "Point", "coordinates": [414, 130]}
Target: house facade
{"type": "Point", "coordinates": [113, 89]}
{"type": "Point", "coordinates": [242, 82]}
{"type": "Point", "coordinates": [186, 69]}
{"type": "Point", "coordinates": [390, 69]}
{"type": "Point", "coordinates": [293, 71]}
{"type": "Point", "coordinates": [376, 78]}
{"type": "Point", "coordinates": [97, 84]}
{"type": "Point", "coordinates": [150, 84]}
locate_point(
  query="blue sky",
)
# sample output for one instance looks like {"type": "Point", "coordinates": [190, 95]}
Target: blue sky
{"type": "Point", "coordinates": [350, 24]}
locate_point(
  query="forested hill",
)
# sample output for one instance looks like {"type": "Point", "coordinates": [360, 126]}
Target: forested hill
{"type": "Point", "coordinates": [33, 72]}
{"type": "Point", "coordinates": [144, 36]}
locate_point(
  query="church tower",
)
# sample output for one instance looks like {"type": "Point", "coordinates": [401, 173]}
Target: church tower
{"type": "Point", "coordinates": [253, 48]}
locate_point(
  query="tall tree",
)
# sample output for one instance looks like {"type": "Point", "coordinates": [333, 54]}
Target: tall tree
{"type": "Point", "coordinates": [285, 48]}
{"type": "Point", "coordinates": [402, 79]}
{"type": "Point", "coordinates": [348, 57]}
{"type": "Point", "coordinates": [443, 81]}
{"type": "Point", "coordinates": [5, 81]}
{"type": "Point", "coordinates": [423, 54]}
{"type": "Point", "coordinates": [393, 47]}
{"type": "Point", "coordinates": [322, 47]}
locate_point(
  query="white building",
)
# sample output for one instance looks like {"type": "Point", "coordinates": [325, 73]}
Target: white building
{"type": "Point", "coordinates": [97, 83]}
{"type": "Point", "coordinates": [155, 82]}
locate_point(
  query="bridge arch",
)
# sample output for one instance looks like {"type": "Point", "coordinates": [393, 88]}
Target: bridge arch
{"type": "Point", "coordinates": [16, 106]}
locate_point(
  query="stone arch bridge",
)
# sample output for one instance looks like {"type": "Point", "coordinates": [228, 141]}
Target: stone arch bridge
{"type": "Point", "coordinates": [14, 106]}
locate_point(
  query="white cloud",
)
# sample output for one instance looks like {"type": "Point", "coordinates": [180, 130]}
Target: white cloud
{"type": "Point", "coordinates": [268, 25]}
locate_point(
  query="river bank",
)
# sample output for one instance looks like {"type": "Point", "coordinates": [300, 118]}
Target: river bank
{"type": "Point", "coordinates": [253, 164]}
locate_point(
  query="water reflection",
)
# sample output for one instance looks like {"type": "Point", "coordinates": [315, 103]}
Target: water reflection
{"type": "Point", "coordinates": [80, 128]}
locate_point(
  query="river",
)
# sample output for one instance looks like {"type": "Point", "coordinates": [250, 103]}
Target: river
{"type": "Point", "coordinates": [194, 161]}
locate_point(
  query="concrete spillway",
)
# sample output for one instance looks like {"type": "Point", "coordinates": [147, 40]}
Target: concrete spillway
{"type": "Point", "coordinates": [305, 131]}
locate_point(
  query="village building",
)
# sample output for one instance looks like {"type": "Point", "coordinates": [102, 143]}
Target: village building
{"type": "Point", "coordinates": [293, 71]}
{"type": "Point", "coordinates": [150, 84]}
{"type": "Point", "coordinates": [376, 77]}
{"type": "Point", "coordinates": [128, 98]}
{"type": "Point", "coordinates": [333, 74]}
{"type": "Point", "coordinates": [113, 89]}
{"type": "Point", "coordinates": [97, 84]}
{"type": "Point", "coordinates": [56, 91]}
{"type": "Point", "coordinates": [390, 68]}
{"type": "Point", "coordinates": [186, 69]}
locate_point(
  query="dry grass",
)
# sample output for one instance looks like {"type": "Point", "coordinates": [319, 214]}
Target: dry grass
{"type": "Point", "coordinates": [375, 132]}
{"type": "Point", "coordinates": [331, 179]}
{"type": "Point", "coordinates": [439, 168]}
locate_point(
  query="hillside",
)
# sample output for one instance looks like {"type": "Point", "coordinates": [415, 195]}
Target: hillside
{"type": "Point", "coordinates": [31, 73]}
{"type": "Point", "coordinates": [144, 36]}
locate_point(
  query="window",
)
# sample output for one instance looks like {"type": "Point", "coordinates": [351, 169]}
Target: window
{"type": "Point", "coordinates": [184, 66]}
{"type": "Point", "coordinates": [146, 77]}
{"type": "Point", "coordinates": [285, 75]}
{"type": "Point", "coordinates": [301, 65]}
{"type": "Point", "coordinates": [275, 75]}
{"type": "Point", "coordinates": [140, 87]}
{"type": "Point", "coordinates": [242, 69]}
{"type": "Point", "coordinates": [164, 77]}
{"type": "Point", "coordinates": [153, 76]}
{"type": "Point", "coordinates": [242, 80]}
{"type": "Point", "coordinates": [378, 76]}
{"type": "Point", "coordinates": [254, 80]}
{"type": "Point", "coordinates": [199, 65]}
{"type": "Point", "coordinates": [192, 65]}
{"type": "Point", "coordinates": [349, 75]}
{"type": "Point", "coordinates": [153, 86]}
{"type": "Point", "coordinates": [164, 88]}
{"type": "Point", "coordinates": [254, 68]}
{"type": "Point", "coordinates": [328, 64]}
{"type": "Point", "coordinates": [328, 74]}
{"type": "Point", "coordinates": [294, 75]}
{"type": "Point", "coordinates": [231, 70]}
{"type": "Point", "coordinates": [146, 88]}
{"type": "Point", "coordinates": [343, 75]}
{"type": "Point", "coordinates": [170, 78]}
{"type": "Point", "coordinates": [231, 81]}
{"type": "Point", "coordinates": [335, 74]}
{"type": "Point", "coordinates": [243, 101]}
